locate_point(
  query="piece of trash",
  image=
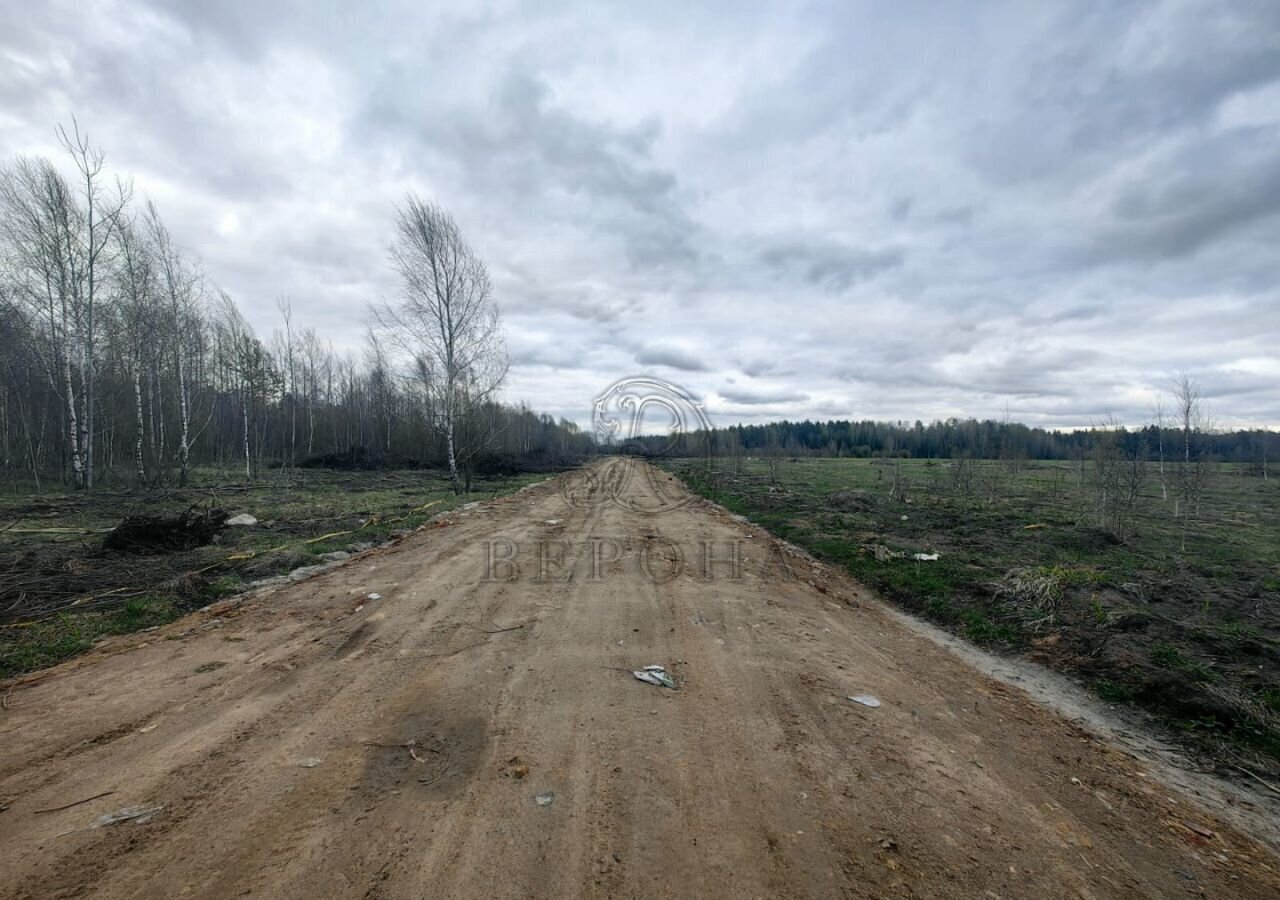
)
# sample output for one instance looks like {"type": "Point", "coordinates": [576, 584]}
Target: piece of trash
{"type": "Point", "coordinates": [244, 519]}
{"type": "Point", "coordinates": [865, 700]}
{"type": "Point", "coordinates": [544, 799]}
{"type": "Point", "coordinates": [138, 815]}
{"type": "Point", "coordinates": [310, 762]}
{"type": "Point", "coordinates": [375, 597]}
{"type": "Point", "coordinates": [925, 557]}
{"type": "Point", "coordinates": [656, 675]}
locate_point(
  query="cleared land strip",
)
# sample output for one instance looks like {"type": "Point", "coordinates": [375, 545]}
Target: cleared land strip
{"type": "Point", "coordinates": [476, 731]}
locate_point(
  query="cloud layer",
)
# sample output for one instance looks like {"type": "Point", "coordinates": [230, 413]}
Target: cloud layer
{"type": "Point", "coordinates": [908, 211]}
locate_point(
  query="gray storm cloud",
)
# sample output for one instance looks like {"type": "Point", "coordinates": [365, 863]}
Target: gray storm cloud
{"type": "Point", "coordinates": [906, 211]}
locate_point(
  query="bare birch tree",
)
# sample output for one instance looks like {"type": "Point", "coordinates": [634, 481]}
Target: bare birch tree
{"type": "Point", "coordinates": [1159, 419]}
{"type": "Point", "coordinates": [250, 374]}
{"type": "Point", "coordinates": [37, 213]}
{"type": "Point", "coordinates": [179, 281]}
{"type": "Point", "coordinates": [284, 355]}
{"type": "Point", "coordinates": [138, 301]}
{"type": "Point", "coordinates": [447, 321]}
{"type": "Point", "coordinates": [115, 349]}
{"type": "Point", "coordinates": [101, 218]}
{"type": "Point", "coordinates": [1192, 417]}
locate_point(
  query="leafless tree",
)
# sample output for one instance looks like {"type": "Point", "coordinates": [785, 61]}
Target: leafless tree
{"type": "Point", "coordinates": [284, 356]}
{"type": "Point", "coordinates": [898, 485]}
{"type": "Point", "coordinates": [1159, 419]}
{"type": "Point", "coordinates": [446, 320]}
{"type": "Point", "coordinates": [180, 285]}
{"type": "Point", "coordinates": [310, 352]}
{"type": "Point", "coordinates": [1119, 475]}
{"type": "Point", "coordinates": [13, 326]}
{"type": "Point", "coordinates": [40, 222]}
{"type": "Point", "coordinates": [112, 343]}
{"type": "Point", "coordinates": [380, 386]}
{"type": "Point", "coordinates": [992, 477]}
{"type": "Point", "coordinates": [1193, 421]}
{"type": "Point", "coordinates": [733, 450]}
{"type": "Point", "coordinates": [1013, 452]}
{"type": "Point", "coordinates": [101, 217]}
{"type": "Point", "coordinates": [962, 476]}
{"type": "Point", "coordinates": [773, 455]}
{"type": "Point", "coordinates": [1258, 465]}
{"type": "Point", "coordinates": [139, 308]}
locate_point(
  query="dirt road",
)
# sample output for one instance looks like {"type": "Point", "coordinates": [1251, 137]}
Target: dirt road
{"type": "Point", "coordinates": [310, 742]}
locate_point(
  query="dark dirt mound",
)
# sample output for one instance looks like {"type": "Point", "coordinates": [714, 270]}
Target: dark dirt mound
{"type": "Point", "coordinates": [498, 464]}
{"type": "Point", "coordinates": [165, 534]}
{"type": "Point", "coordinates": [360, 459]}
{"type": "Point", "coordinates": [852, 501]}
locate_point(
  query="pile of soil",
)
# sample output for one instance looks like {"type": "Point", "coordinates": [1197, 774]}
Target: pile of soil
{"type": "Point", "coordinates": [359, 459]}
{"type": "Point", "coordinates": [852, 501]}
{"type": "Point", "coordinates": [165, 534]}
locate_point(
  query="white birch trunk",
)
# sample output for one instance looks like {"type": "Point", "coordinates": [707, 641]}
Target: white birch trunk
{"type": "Point", "coordinates": [139, 461]}
{"type": "Point", "coordinates": [244, 406]}
{"type": "Point", "coordinates": [73, 422]}
{"type": "Point", "coordinates": [184, 422]}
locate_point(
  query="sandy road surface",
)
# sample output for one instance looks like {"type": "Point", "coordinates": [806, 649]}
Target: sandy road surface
{"type": "Point", "coordinates": [438, 713]}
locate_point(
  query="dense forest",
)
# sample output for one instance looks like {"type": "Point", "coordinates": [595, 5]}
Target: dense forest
{"type": "Point", "coordinates": [120, 360]}
{"type": "Point", "coordinates": [966, 438]}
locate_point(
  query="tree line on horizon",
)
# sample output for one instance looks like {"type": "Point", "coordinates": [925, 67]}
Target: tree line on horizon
{"type": "Point", "coordinates": [964, 438]}
{"type": "Point", "coordinates": [1112, 465]}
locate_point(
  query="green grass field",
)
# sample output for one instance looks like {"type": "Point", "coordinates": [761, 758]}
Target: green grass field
{"type": "Point", "coordinates": [51, 548]}
{"type": "Point", "coordinates": [1192, 635]}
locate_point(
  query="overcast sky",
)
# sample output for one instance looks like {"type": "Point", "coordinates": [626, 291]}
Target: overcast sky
{"type": "Point", "coordinates": [882, 210]}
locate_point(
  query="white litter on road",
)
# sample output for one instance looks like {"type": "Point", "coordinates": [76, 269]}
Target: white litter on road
{"type": "Point", "coordinates": [866, 700]}
{"type": "Point", "coordinates": [656, 675]}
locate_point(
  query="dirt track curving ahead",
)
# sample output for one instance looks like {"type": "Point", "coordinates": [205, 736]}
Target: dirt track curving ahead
{"type": "Point", "coordinates": [308, 742]}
